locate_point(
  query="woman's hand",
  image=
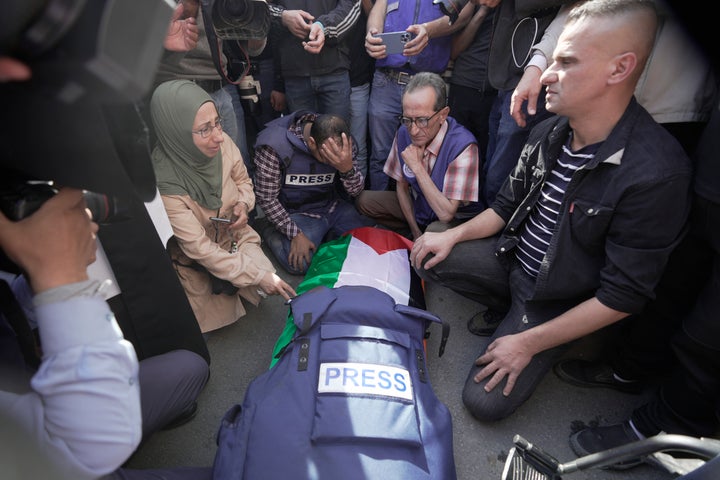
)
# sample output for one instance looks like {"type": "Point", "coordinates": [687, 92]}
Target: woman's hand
{"type": "Point", "coordinates": [241, 212]}
{"type": "Point", "coordinates": [274, 285]}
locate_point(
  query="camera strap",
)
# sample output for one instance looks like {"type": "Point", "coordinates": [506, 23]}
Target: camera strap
{"type": "Point", "coordinates": [214, 42]}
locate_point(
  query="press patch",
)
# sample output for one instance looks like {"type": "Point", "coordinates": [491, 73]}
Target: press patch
{"type": "Point", "coordinates": [309, 179]}
{"type": "Point", "coordinates": [365, 379]}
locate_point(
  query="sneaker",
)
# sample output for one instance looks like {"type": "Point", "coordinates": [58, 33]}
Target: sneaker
{"type": "Point", "coordinates": [598, 439]}
{"type": "Point", "coordinates": [484, 323]}
{"type": "Point", "coordinates": [585, 373]}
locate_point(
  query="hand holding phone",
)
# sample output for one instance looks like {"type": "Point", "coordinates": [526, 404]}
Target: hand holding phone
{"type": "Point", "coordinates": [395, 41]}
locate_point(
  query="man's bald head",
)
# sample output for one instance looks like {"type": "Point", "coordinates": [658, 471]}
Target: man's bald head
{"type": "Point", "coordinates": [637, 20]}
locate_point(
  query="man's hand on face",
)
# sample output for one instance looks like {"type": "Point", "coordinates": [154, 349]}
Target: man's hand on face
{"type": "Point", "coordinates": [337, 155]}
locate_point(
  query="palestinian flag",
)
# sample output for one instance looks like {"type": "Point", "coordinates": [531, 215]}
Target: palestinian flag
{"type": "Point", "coordinates": [364, 256]}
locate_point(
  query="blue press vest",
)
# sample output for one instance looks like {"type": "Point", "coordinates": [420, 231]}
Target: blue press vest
{"type": "Point", "coordinates": [456, 140]}
{"type": "Point", "coordinates": [306, 184]}
{"type": "Point", "coordinates": [400, 15]}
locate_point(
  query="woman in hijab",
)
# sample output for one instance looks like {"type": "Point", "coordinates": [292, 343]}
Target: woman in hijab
{"type": "Point", "coordinates": [201, 174]}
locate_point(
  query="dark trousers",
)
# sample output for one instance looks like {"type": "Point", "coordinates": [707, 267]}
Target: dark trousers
{"type": "Point", "coordinates": [471, 108]}
{"type": "Point", "coordinates": [169, 384]}
{"type": "Point", "coordinates": [688, 402]}
{"type": "Point", "coordinates": [473, 270]}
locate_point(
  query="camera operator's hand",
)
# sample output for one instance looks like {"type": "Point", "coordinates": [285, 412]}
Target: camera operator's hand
{"type": "Point", "coordinates": [298, 22]}
{"type": "Point", "coordinates": [316, 39]}
{"type": "Point", "coordinates": [182, 34]}
{"type": "Point", "coordinates": [12, 70]}
{"type": "Point", "coordinates": [55, 244]}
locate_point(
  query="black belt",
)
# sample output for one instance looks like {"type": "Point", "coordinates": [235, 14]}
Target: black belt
{"type": "Point", "coordinates": [397, 76]}
{"type": "Point", "coordinates": [209, 86]}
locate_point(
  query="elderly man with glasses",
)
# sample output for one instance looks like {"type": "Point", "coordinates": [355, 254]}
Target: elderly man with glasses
{"type": "Point", "coordinates": [434, 161]}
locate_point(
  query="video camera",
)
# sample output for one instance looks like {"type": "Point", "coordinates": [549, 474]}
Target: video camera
{"type": "Point", "coordinates": [241, 19]}
{"type": "Point", "coordinates": [107, 49]}
{"type": "Point", "coordinates": [20, 198]}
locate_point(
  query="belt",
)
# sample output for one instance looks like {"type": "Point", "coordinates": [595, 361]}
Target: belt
{"type": "Point", "coordinates": [397, 76]}
{"type": "Point", "coordinates": [209, 86]}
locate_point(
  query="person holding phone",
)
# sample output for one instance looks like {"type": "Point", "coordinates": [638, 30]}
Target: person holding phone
{"type": "Point", "coordinates": [427, 51]}
{"type": "Point", "coordinates": [201, 174]}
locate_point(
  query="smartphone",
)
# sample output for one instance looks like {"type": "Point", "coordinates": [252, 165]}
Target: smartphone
{"type": "Point", "coordinates": [395, 41]}
{"type": "Point", "coordinates": [221, 220]}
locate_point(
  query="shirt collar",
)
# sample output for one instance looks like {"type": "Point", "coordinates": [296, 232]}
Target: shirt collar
{"type": "Point", "coordinates": [435, 144]}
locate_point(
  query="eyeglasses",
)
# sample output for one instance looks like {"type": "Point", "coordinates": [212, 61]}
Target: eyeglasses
{"type": "Point", "coordinates": [207, 130]}
{"type": "Point", "coordinates": [421, 122]}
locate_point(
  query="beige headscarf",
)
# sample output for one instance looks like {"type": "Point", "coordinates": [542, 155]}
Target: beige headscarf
{"type": "Point", "coordinates": [180, 167]}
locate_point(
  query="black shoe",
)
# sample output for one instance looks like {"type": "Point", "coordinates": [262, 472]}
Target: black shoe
{"type": "Point", "coordinates": [585, 373]}
{"type": "Point", "coordinates": [598, 439]}
{"type": "Point", "coordinates": [484, 323]}
{"type": "Point", "coordinates": [183, 418]}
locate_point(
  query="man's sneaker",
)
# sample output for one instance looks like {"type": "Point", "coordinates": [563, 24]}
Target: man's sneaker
{"type": "Point", "coordinates": [484, 323]}
{"type": "Point", "coordinates": [598, 439]}
{"type": "Point", "coordinates": [585, 373]}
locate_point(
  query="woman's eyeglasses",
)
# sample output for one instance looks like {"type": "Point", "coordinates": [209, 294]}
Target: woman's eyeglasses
{"type": "Point", "coordinates": [207, 130]}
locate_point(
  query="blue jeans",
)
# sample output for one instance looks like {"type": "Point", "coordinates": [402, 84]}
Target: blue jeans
{"type": "Point", "coordinates": [506, 141]}
{"type": "Point", "coordinates": [359, 99]}
{"type": "Point", "coordinates": [321, 94]}
{"type": "Point", "coordinates": [345, 217]}
{"type": "Point", "coordinates": [385, 109]}
{"type": "Point", "coordinates": [226, 111]}
{"type": "Point", "coordinates": [240, 137]}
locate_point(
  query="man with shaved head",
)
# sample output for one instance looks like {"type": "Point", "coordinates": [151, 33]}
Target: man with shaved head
{"type": "Point", "coordinates": [582, 228]}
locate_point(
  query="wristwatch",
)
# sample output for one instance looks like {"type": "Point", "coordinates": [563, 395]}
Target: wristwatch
{"type": "Point", "coordinates": [348, 174]}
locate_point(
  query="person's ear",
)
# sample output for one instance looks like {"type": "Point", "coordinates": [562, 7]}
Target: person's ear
{"type": "Point", "coordinates": [622, 66]}
{"type": "Point", "coordinates": [312, 144]}
{"type": "Point", "coordinates": [445, 112]}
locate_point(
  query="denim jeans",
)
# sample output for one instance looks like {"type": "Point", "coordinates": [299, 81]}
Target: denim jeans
{"type": "Point", "coordinates": [359, 99]}
{"type": "Point", "coordinates": [240, 137]}
{"type": "Point", "coordinates": [345, 217]}
{"type": "Point", "coordinates": [506, 141]}
{"type": "Point", "coordinates": [321, 94]}
{"type": "Point", "coordinates": [383, 120]}
{"type": "Point", "coordinates": [226, 111]}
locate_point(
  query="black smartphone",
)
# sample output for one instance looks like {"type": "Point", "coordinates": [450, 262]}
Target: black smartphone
{"type": "Point", "coordinates": [221, 220]}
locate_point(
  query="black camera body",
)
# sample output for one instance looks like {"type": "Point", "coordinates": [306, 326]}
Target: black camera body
{"type": "Point", "coordinates": [105, 49]}
{"type": "Point", "coordinates": [21, 198]}
{"type": "Point", "coordinates": [241, 19]}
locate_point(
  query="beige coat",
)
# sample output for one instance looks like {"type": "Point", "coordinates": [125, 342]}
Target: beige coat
{"type": "Point", "coordinates": [197, 238]}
